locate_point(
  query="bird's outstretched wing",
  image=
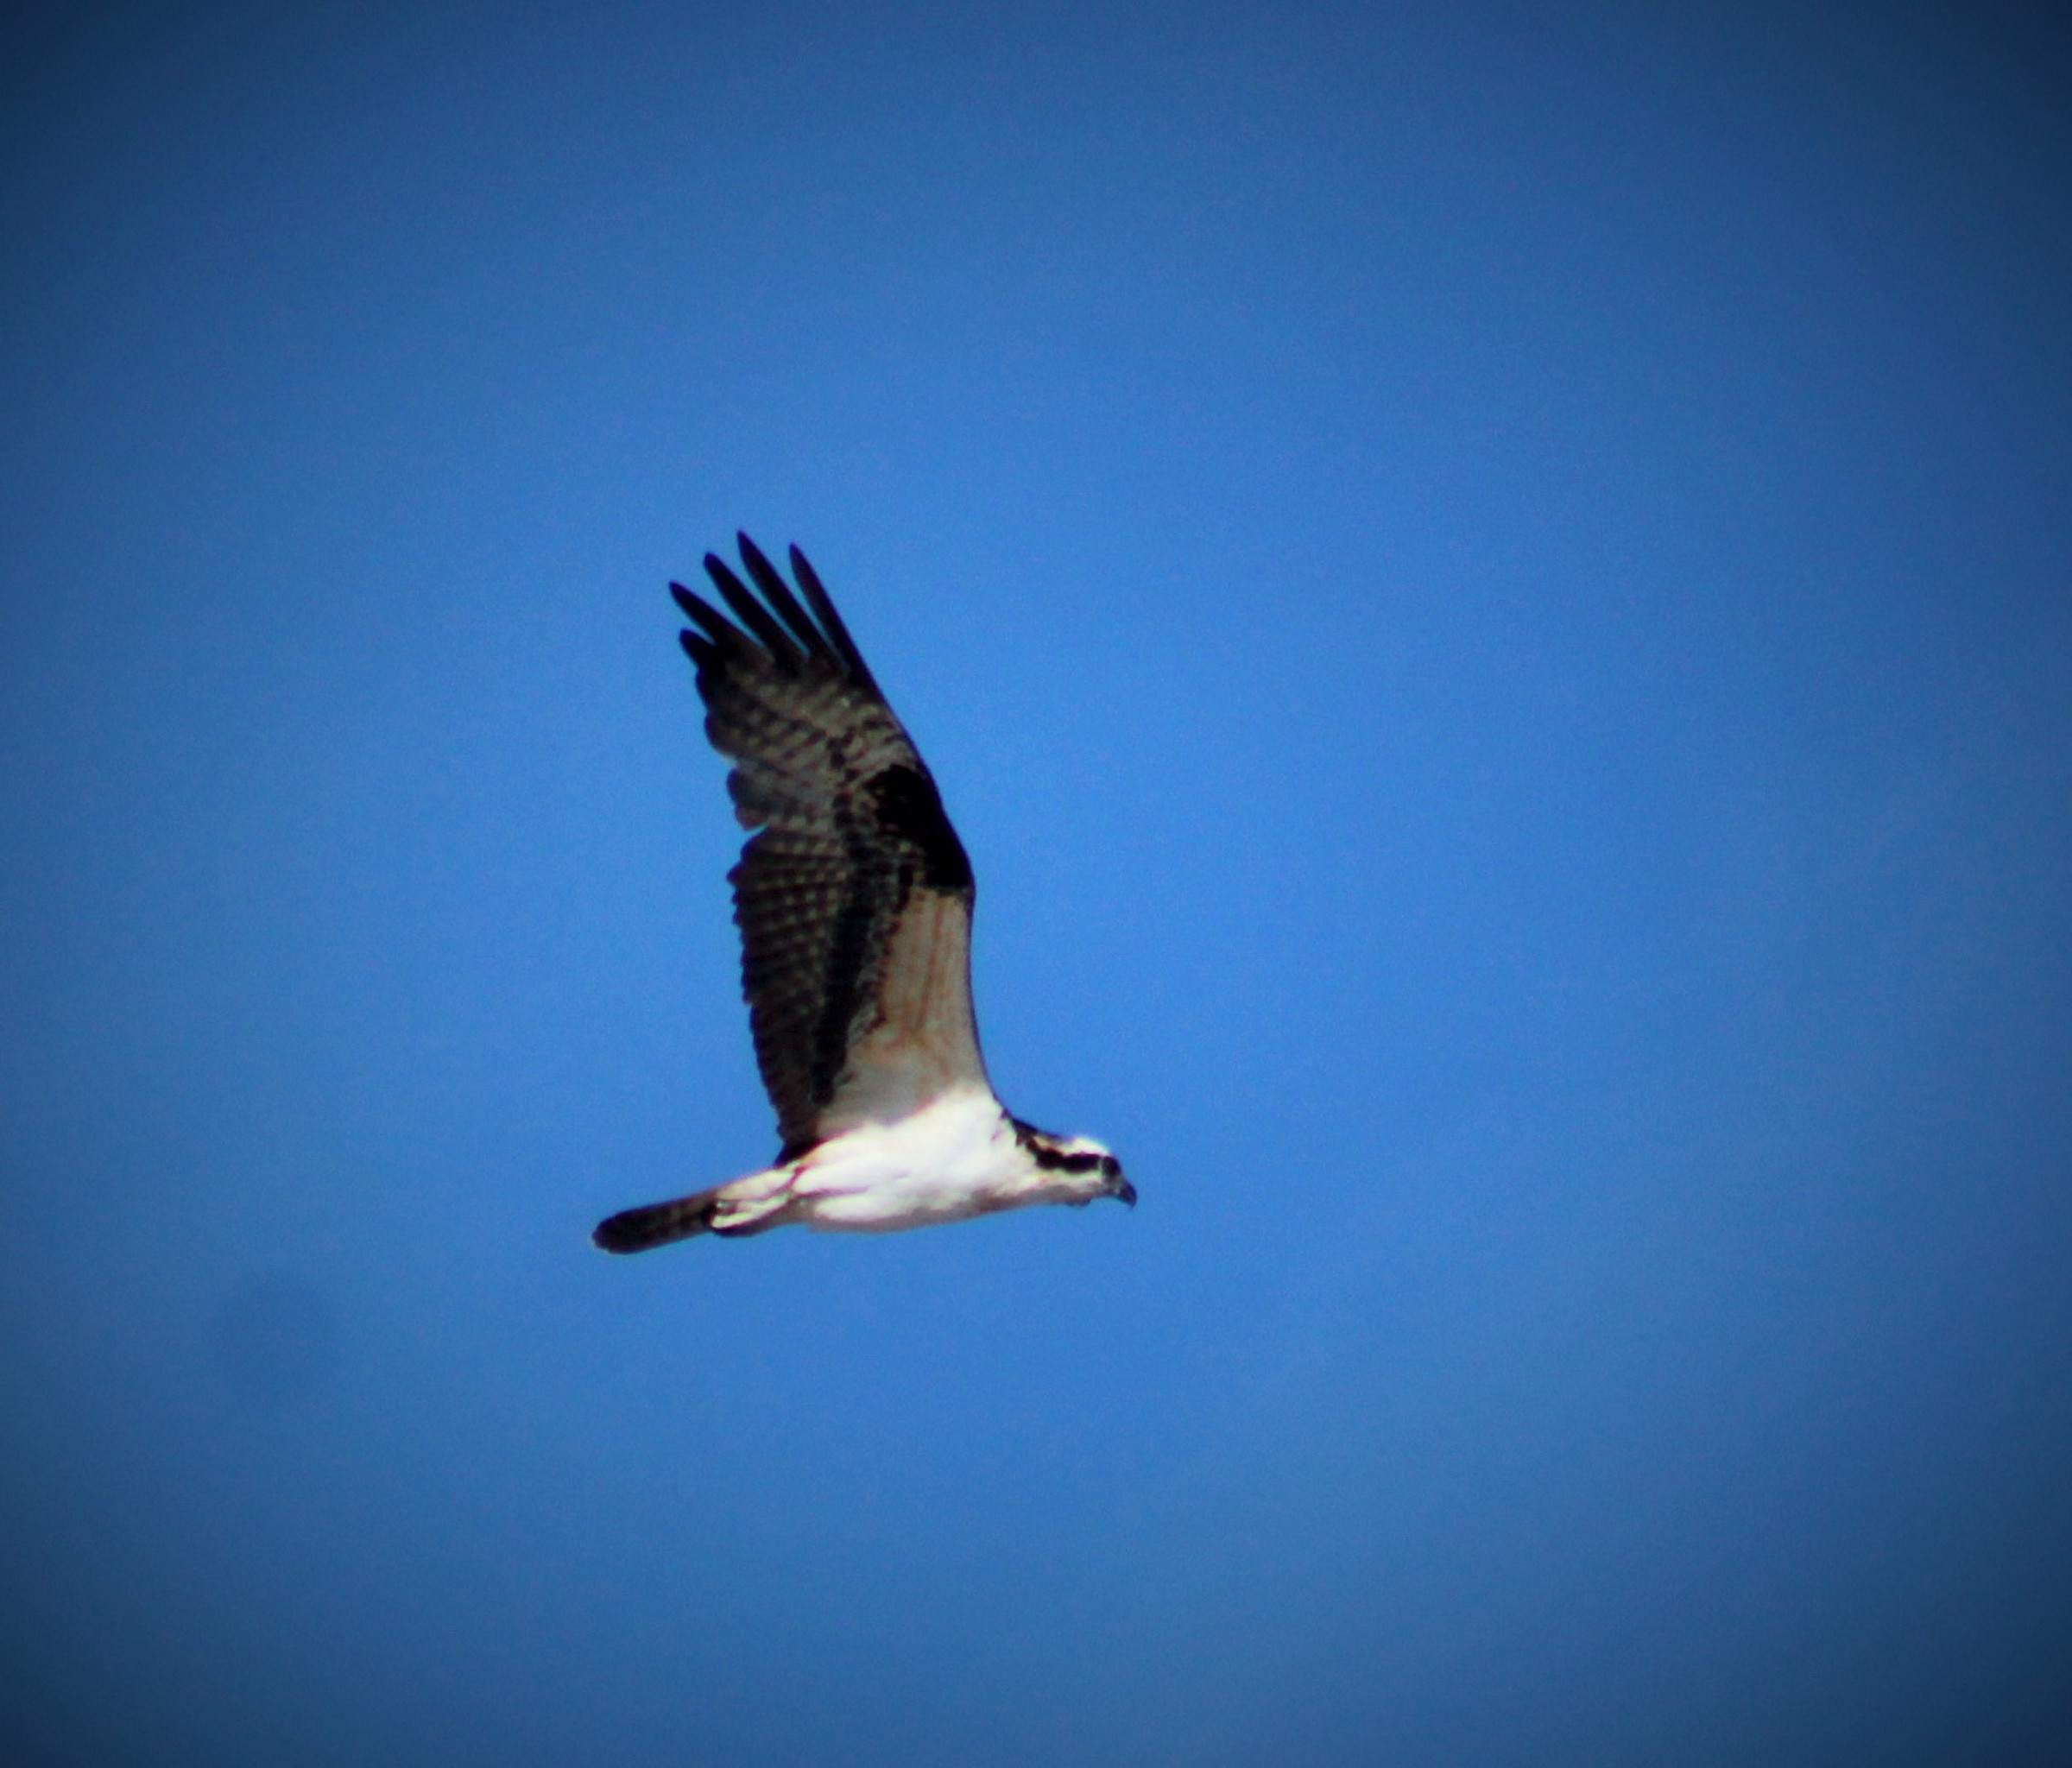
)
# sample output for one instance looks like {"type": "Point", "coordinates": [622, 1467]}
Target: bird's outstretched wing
{"type": "Point", "coordinates": [854, 898]}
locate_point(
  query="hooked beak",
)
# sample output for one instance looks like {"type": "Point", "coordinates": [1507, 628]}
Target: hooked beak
{"type": "Point", "coordinates": [1117, 1186]}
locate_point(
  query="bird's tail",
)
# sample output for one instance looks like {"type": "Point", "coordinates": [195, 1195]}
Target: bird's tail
{"type": "Point", "coordinates": [655, 1224]}
{"type": "Point", "coordinates": [743, 1206]}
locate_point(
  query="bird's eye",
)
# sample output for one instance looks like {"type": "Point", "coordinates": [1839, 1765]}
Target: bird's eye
{"type": "Point", "coordinates": [1109, 1166]}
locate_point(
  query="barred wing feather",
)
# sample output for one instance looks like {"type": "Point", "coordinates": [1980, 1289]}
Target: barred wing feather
{"type": "Point", "coordinates": [855, 897]}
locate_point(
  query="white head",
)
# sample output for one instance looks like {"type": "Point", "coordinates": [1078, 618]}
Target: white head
{"type": "Point", "coordinates": [1074, 1169]}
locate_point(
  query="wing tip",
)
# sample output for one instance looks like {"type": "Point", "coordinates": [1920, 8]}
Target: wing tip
{"type": "Point", "coordinates": [805, 617]}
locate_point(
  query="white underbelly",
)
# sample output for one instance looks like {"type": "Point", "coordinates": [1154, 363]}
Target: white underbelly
{"type": "Point", "coordinates": [956, 1159]}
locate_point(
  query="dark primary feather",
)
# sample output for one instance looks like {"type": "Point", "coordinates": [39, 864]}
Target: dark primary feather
{"type": "Point", "coordinates": [809, 580]}
{"type": "Point", "coordinates": [851, 824]}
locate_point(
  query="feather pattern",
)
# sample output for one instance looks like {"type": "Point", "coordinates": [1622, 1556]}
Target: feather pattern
{"type": "Point", "coordinates": [853, 898]}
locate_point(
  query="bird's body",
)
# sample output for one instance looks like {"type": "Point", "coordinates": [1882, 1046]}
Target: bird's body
{"type": "Point", "coordinates": [855, 904]}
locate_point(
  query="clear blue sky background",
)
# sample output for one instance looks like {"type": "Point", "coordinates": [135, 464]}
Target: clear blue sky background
{"type": "Point", "coordinates": [1491, 592]}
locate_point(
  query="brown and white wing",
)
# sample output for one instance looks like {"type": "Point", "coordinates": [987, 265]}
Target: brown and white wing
{"type": "Point", "coordinates": [853, 898]}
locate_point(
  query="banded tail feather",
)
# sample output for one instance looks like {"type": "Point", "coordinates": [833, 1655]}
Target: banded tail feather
{"type": "Point", "coordinates": [733, 1210]}
{"type": "Point", "coordinates": [656, 1224]}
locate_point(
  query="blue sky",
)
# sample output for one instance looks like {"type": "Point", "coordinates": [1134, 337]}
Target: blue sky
{"type": "Point", "coordinates": [1490, 591]}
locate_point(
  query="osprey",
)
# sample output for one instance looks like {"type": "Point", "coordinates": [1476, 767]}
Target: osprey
{"type": "Point", "coordinates": [854, 900]}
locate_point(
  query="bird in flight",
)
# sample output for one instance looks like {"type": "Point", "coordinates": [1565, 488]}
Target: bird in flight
{"type": "Point", "coordinates": [854, 900]}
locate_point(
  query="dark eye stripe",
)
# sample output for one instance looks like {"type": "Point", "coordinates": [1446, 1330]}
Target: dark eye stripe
{"type": "Point", "coordinates": [1043, 1149]}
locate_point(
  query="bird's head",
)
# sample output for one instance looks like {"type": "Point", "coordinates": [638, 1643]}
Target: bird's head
{"type": "Point", "coordinates": [1076, 1169]}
